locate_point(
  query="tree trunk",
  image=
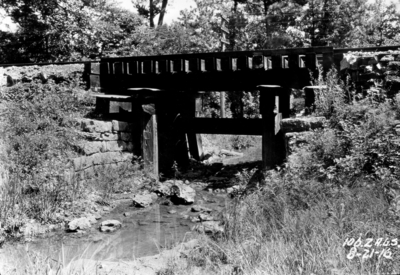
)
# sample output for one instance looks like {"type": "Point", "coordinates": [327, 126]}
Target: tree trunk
{"type": "Point", "coordinates": [162, 12]}
{"type": "Point", "coordinates": [232, 38]}
{"type": "Point", "coordinates": [151, 7]}
{"type": "Point", "coordinates": [266, 7]}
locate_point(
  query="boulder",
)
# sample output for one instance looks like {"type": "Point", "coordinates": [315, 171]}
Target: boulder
{"type": "Point", "coordinates": [110, 226]}
{"type": "Point", "coordinates": [92, 218]}
{"type": "Point", "coordinates": [182, 194]}
{"type": "Point", "coordinates": [144, 200]}
{"type": "Point", "coordinates": [208, 227]}
{"type": "Point", "coordinates": [11, 81]}
{"type": "Point", "coordinates": [42, 76]}
{"type": "Point", "coordinates": [163, 189]}
{"type": "Point", "coordinates": [206, 217]}
{"type": "Point", "coordinates": [79, 224]}
{"type": "Point", "coordinates": [200, 208]}
{"type": "Point", "coordinates": [194, 219]}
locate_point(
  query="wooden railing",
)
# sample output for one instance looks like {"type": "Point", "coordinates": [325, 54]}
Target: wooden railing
{"type": "Point", "coordinates": [213, 71]}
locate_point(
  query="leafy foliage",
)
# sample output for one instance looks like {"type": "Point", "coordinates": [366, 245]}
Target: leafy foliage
{"type": "Point", "coordinates": [359, 140]}
{"type": "Point", "coordinates": [65, 30]}
{"type": "Point", "coordinates": [39, 136]}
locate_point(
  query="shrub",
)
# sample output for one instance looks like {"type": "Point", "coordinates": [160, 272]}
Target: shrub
{"type": "Point", "coordinates": [358, 140]}
{"type": "Point", "coordinates": [39, 137]}
{"type": "Point", "coordinates": [331, 99]}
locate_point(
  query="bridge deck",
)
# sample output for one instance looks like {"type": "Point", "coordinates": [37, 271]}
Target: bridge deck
{"type": "Point", "coordinates": [220, 71]}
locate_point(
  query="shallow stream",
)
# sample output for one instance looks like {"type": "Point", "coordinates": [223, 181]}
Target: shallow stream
{"type": "Point", "coordinates": [144, 232]}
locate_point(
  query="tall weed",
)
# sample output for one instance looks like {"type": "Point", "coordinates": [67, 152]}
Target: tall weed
{"type": "Point", "coordinates": [279, 230]}
{"type": "Point", "coordinates": [330, 99]}
{"type": "Point", "coordinates": [39, 138]}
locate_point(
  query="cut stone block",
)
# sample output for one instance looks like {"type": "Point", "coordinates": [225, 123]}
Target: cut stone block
{"type": "Point", "coordinates": [121, 126]}
{"type": "Point", "coordinates": [116, 146]}
{"type": "Point", "coordinates": [301, 124]}
{"type": "Point", "coordinates": [91, 125]}
{"type": "Point", "coordinates": [109, 136]}
{"type": "Point", "coordinates": [91, 148]}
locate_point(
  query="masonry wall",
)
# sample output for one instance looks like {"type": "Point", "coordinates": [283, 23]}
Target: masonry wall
{"type": "Point", "coordinates": [107, 147]}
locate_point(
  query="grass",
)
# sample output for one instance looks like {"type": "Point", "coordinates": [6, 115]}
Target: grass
{"type": "Point", "coordinates": [214, 143]}
{"type": "Point", "coordinates": [69, 261]}
{"type": "Point", "coordinates": [268, 232]}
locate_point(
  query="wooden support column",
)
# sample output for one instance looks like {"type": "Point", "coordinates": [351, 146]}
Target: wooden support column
{"type": "Point", "coordinates": [284, 102]}
{"type": "Point", "coordinates": [194, 140]}
{"type": "Point", "coordinates": [149, 142]}
{"type": "Point", "coordinates": [172, 137]}
{"type": "Point", "coordinates": [271, 117]}
{"type": "Point", "coordinates": [179, 133]}
{"type": "Point", "coordinates": [145, 130]}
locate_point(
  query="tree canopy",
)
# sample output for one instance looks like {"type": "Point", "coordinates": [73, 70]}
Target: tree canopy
{"type": "Point", "coordinates": [61, 30]}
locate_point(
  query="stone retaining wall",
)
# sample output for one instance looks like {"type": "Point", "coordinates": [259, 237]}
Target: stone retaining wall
{"type": "Point", "coordinates": [12, 75]}
{"type": "Point", "coordinates": [297, 130]}
{"type": "Point", "coordinates": [107, 147]}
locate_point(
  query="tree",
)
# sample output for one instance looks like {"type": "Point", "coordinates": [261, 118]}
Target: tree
{"type": "Point", "coordinates": [331, 22]}
{"type": "Point", "coordinates": [204, 22]}
{"type": "Point", "coordinates": [151, 10]}
{"type": "Point", "coordinates": [381, 25]}
{"type": "Point", "coordinates": [57, 30]}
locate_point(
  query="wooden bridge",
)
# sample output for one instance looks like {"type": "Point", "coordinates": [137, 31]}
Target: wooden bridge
{"type": "Point", "coordinates": [162, 96]}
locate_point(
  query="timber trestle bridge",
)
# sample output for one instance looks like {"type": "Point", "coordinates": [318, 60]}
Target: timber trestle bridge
{"type": "Point", "coordinates": [161, 96]}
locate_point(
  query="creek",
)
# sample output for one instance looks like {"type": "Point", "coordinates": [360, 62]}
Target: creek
{"type": "Point", "coordinates": [144, 232]}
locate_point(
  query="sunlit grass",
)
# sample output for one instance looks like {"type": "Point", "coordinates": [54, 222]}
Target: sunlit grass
{"type": "Point", "coordinates": [265, 234]}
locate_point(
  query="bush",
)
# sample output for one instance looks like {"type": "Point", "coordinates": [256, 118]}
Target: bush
{"type": "Point", "coordinates": [359, 138]}
{"type": "Point", "coordinates": [39, 138]}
